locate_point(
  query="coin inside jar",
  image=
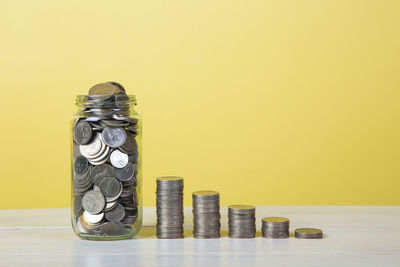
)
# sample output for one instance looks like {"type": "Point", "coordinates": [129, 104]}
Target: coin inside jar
{"type": "Point", "coordinates": [77, 206]}
{"type": "Point", "coordinates": [81, 165]}
{"type": "Point", "coordinates": [93, 201]}
{"type": "Point", "coordinates": [82, 132]}
{"type": "Point", "coordinates": [91, 148]}
{"type": "Point", "coordinates": [93, 218]}
{"type": "Point", "coordinates": [119, 159]}
{"type": "Point", "coordinates": [110, 187]}
{"type": "Point", "coordinates": [114, 137]}
{"type": "Point", "coordinates": [126, 173]}
{"type": "Point", "coordinates": [104, 89]}
{"type": "Point", "coordinates": [100, 172]}
{"type": "Point", "coordinates": [114, 228]}
{"type": "Point", "coordinates": [116, 214]}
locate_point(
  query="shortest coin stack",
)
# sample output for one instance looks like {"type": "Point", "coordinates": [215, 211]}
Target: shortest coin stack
{"type": "Point", "coordinates": [275, 227]}
{"type": "Point", "coordinates": [308, 233]}
{"type": "Point", "coordinates": [206, 216]}
{"type": "Point", "coordinates": [242, 221]}
{"type": "Point", "coordinates": [169, 207]}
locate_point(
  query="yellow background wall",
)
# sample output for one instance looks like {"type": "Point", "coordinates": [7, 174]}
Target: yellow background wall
{"type": "Point", "coordinates": [269, 102]}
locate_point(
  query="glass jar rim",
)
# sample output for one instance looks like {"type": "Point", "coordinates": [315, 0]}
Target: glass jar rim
{"type": "Point", "coordinates": [83, 99]}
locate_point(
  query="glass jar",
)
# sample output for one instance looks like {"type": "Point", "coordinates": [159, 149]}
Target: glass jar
{"type": "Point", "coordinates": [106, 167]}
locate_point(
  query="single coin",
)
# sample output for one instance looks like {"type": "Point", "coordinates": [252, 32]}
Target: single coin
{"type": "Point", "coordinates": [100, 172]}
{"type": "Point", "coordinates": [110, 205]}
{"type": "Point", "coordinates": [242, 207]}
{"type": "Point", "coordinates": [275, 220]}
{"type": "Point", "coordinates": [114, 137]}
{"type": "Point", "coordinates": [119, 159]}
{"type": "Point", "coordinates": [110, 187]}
{"type": "Point", "coordinates": [81, 165]}
{"type": "Point", "coordinates": [91, 148]}
{"type": "Point", "coordinates": [118, 85]}
{"type": "Point", "coordinates": [93, 218]}
{"type": "Point", "coordinates": [130, 145]}
{"type": "Point", "coordinates": [98, 154]}
{"type": "Point", "coordinates": [308, 233]}
{"type": "Point", "coordinates": [114, 229]}
{"type": "Point", "coordinates": [206, 193]}
{"type": "Point", "coordinates": [169, 178]}
{"type": "Point", "coordinates": [82, 132]}
{"type": "Point", "coordinates": [104, 89]}
{"type": "Point", "coordinates": [116, 214]}
{"type": "Point", "coordinates": [93, 201]}
{"type": "Point", "coordinates": [126, 173]}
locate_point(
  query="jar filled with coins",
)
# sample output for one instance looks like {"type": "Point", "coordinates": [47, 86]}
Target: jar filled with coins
{"type": "Point", "coordinates": [106, 164]}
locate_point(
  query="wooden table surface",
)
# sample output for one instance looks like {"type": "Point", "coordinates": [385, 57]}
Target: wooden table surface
{"type": "Point", "coordinates": [354, 236]}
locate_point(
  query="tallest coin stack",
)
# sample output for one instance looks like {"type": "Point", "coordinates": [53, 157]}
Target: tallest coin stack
{"type": "Point", "coordinates": [169, 207]}
{"type": "Point", "coordinates": [105, 164]}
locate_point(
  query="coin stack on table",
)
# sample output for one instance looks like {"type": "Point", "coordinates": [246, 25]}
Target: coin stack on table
{"type": "Point", "coordinates": [275, 227]}
{"type": "Point", "coordinates": [169, 207]}
{"type": "Point", "coordinates": [206, 215]}
{"type": "Point", "coordinates": [242, 221]}
{"type": "Point", "coordinates": [105, 157]}
{"type": "Point", "coordinates": [308, 233]}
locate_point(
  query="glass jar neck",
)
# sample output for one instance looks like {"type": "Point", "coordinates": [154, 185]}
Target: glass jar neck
{"type": "Point", "coordinates": [105, 106]}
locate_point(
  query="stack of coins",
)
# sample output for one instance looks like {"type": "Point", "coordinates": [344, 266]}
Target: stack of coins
{"type": "Point", "coordinates": [308, 233]}
{"type": "Point", "coordinates": [275, 227]}
{"type": "Point", "coordinates": [242, 221]}
{"type": "Point", "coordinates": [169, 207]}
{"type": "Point", "coordinates": [206, 216]}
{"type": "Point", "coordinates": [105, 162]}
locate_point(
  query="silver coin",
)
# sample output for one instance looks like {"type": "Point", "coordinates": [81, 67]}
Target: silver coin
{"type": "Point", "coordinates": [98, 154]}
{"type": "Point", "coordinates": [82, 132]}
{"type": "Point", "coordinates": [308, 233]}
{"type": "Point", "coordinates": [92, 148]}
{"type": "Point", "coordinates": [116, 214]}
{"type": "Point", "coordinates": [76, 152]}
{"type": "Point", "coordinates": [114, 229]}
{"type": "Point", "coordinates": [93, 202]}
{"type": "Point", "coordinates": [93, 218]}
{"type": "Point", "coordinates": [114, 137]}
{"type": "Point", "coordinates": [78, 210]}
{"type": "Point", "coordinates": [130, 146]}
{"type": "Point", "coordinates": [111, 199]}
{"type": "Point", "coordinates": [101, 171]}
{"type": "Point", "coordinates": [126, 173]}
{"type": "Point", "coordinates": [102, 156]}
{"type": "Point", "coordinates": [110, 187]}
{"type": "Point", "coordinates": [118, 159]}
{"type": "Point", "coordinates": [110, 205]}
{"type": "Point", "coordinates": [81, 165]}
{"type": "Point", "coordinates": [98, 163]}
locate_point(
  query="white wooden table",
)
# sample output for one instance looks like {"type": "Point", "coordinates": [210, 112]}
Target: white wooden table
{"type": "Point", "coordinates": [354, 236]}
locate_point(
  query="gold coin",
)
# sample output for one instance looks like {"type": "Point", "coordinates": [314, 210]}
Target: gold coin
{"type": "Point", "coordinates": [275, 219]}
{"type": "Point", "coordinates": [205, 193]}
{"type": "Point", "coordinates": [242, 207]}
{"type": "Point", "coordinates": [170, 178]}
{"type": "Point", "coordinates": [104, 89]}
